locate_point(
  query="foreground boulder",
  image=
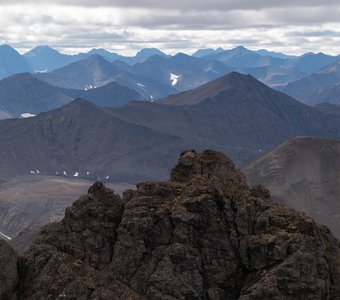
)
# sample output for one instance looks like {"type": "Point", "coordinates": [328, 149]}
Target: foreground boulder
{"type": "Point", "coordinates": [204, 234]}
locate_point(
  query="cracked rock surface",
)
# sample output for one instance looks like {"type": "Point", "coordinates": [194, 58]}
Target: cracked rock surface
{"type": "Point", "coordinates": [204, 234]}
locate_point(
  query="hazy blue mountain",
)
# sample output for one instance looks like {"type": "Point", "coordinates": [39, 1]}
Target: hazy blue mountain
{"type": "Point", "coordinates": [154, 77]}
{"type": "Point", "coordinates": [206, 52]}
{"type": "Point", "coordinates": [46, 59]}
{"type": "Point", "coordinates": [265, 52]}
{"type": "Point", "coordinates": [110, 95]}
{"type": "Point", "coordinates": [271, 70]}
{"type": "Point", "coordinates": [130, 60]}
{"type": "Point", "coordinates": [241, 57]}
{"type": "Point", "coordinates": [11, 62]}
{"type": "Point", "coordinates": [180, 72]}
{"type": "Point", "coordinates": [318, 87]}
{"type": "Point", "coordinates": [95, 71]}
{"type": "Point", "coordinates": [91, 72]}
{"type": "Point", "coordinates": [24, 93]}
{"type": "Point", "coordinates": [158, 77]}
{"type": "Point", "coordinates": [142, 55]}
{"type": "Point", "coordinates": [109, 56]}
{"type": "Point", "coordinates": [147, 52]}
{"type": "Point", "coordinates": [311, 62]}
{"type": "Point", "coordinates": [291, 69]}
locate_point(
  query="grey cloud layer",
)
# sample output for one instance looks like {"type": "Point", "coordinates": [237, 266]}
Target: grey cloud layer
{"type": "Point", "coordinates": [186, 4]}
{"type": "Point", "coordinates": [173, 25]}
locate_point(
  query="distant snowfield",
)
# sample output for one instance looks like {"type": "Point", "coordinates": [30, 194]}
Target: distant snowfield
{"type": "Point", "coordinates": [174, 78]}
{"type": "Point", "coordinates": [89, 87]}
{"type": "Point", "coordinates": [5, 236]}
{"type": "Point", "coordinates": [27, 115]}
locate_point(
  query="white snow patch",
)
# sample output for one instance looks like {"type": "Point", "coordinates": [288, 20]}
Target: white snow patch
{"type": "Point", "coordinates": [32, 172]}
{"type": "Point", "coordinates": [87, 173]}
{"type": "Point", "coordinates": [6, 236]}
{"type": "Point", "coordinates": [107, 177]}
{"type": "Point", "coordinates": [65, 173]}
{"type": "Point", "coordinates": [27, 115]}
{"type": "Point", "coordinates": [174, 78]}
{"type": "Point", "coordinates": [89, 87]}
{"type": "Point", "coordinates": [151, 99]}
{"type": "Point", "coordinates": [76, 174]}
{"type": "Point", "coordinates": [142, 85]}
{"type": "Point", "coordinates": [37, 171]}
{"type": "Point", "coordinates": [40, 71]}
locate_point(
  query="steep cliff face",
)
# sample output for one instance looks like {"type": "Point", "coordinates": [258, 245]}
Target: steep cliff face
{"type": "Point", "coordinates": [204, 234]}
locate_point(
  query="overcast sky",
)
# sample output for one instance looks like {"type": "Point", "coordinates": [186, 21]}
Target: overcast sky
{"type": "Point", "coordinates": [125, 26]}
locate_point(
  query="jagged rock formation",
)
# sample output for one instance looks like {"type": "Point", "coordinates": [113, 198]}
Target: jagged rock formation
{"type": "Point", "coordinates": [8, 272]}
{"type": "Point", "coordinates": [204, 234]}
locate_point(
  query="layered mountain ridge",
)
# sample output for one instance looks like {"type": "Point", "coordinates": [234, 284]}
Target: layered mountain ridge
{"type": "Point", "coordinates": [235, 114]}
{"type": "Point", "coordinates": [173, 73]}
{"type": "Point", "coordinates": [242, 118]}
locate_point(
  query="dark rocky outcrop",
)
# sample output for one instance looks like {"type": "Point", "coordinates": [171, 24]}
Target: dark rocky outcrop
{"type": "Point", "coordinates": [8, 272]}
{"type": "Point", "coordinates": [204, 234]}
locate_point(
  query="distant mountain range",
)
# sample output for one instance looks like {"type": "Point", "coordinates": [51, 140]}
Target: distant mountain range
{"type": "Point", "coordinates": [236, 114]}
{"type": "Point", "coordinates": [303, 173]}
{"type": "Point", "coordinates": [274, 69]}
{"type": "Point", "coordinates": [155, 74]}
{"type": "Point", "coordinates": [95, 71]}
{"type": "Point", "coordinates": [46, 59]}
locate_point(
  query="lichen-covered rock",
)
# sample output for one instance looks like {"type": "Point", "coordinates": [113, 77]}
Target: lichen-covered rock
{"type": "Point", "coordinates": [204, 234]}
{"type": "Point", "coordinates": [8, 272]}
